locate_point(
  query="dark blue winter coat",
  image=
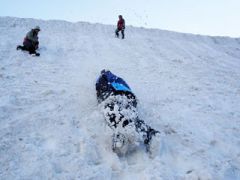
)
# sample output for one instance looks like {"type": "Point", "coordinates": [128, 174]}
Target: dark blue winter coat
{"type": "Point", "coordinates": [109, 83]}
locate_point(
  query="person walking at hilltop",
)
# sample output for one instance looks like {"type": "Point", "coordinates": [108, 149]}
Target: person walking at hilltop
{"type": "Point", "coordinates": [120, 26]}
{"type": "Point", "coordinates": [31, 42]}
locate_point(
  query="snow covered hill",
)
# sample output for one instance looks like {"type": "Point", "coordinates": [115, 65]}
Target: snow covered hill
{"type": "Point", "coordinates": [188, 87]}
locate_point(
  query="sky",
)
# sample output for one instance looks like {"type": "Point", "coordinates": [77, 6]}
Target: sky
{"type": "Point", "coordinates": [207, 17]}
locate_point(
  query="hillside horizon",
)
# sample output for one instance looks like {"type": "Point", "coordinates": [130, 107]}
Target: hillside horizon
{"type": "Point", "coordinates": [114, 26]}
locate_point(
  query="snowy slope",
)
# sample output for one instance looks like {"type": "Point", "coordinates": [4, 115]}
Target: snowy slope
{"type": "Point", "coordinates": [51, 126]}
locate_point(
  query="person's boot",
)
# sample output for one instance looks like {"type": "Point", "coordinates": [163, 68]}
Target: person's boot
{"type": "Point", "coordinates": [34, 53]}
{"type": "Point", "coordinates": [154, 145]}
{"type": "Point", "coordinates": [19, 47]}
{"type": "Point", "coordinates": [150, 134]}
{"type": "Point", "coordinates": [119, 144]}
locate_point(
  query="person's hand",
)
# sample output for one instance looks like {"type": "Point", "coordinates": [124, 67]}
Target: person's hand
{"type": "Point", "coordinates": [36, 45]}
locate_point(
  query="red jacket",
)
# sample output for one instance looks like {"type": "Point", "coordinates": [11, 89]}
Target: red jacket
{"type": "Point", "coordinates": [121, 24]}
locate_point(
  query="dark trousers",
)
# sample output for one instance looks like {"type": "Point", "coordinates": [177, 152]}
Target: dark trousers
{"type": "Point", "coordinates": [117, 32]}
{"type": "Point", "coordinates": [29, 46]}
{"type": "Point", "coordinates": [31, 49]}
{"type": "Point", "coordinates": [115, 118]}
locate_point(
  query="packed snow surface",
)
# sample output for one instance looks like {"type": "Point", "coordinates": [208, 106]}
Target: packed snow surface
{"type": "Point", "coordinates": [51, 126]}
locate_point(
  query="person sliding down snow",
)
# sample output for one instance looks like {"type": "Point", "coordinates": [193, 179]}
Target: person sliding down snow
{"type": "Point", "coordinates": [31, 42]}
{"type": "Point", "coordinates": [119, 106]}
{"type": "Point", "coordinates": [120, 26]}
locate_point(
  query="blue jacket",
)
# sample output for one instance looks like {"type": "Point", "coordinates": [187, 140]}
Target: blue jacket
{"type": "Point", "coordinates": [109, 83]}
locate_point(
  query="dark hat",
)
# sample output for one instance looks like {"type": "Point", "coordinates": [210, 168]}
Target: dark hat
{"type": "Point", "coordinates": [37, 28]}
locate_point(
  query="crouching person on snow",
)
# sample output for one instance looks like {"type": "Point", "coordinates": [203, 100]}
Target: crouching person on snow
{"type": "Point", "coordinates": [31, 42]}
{"type": "Point", "coordinates": [119, 106]}
{"type": "Point", "coordinates": [120, 26]}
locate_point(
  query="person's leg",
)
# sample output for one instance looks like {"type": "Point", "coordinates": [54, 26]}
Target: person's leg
{"type": "Point", "coordinates": [146, 131]}
{"type": "Point", "coordinates": [28, 47]}
{"type": "Point", "coordinates": [23, 48]}
{"type": "Point", "coordinates": [32, 50]}
{"type": "Point", "coordinates": [122, 31]}
{"type": "Point", "coordinates": [113, 114]}
{"type": "Point", "coordinates": [116, 32]}
{"type": "Point", "coordinates": [19, 47]}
